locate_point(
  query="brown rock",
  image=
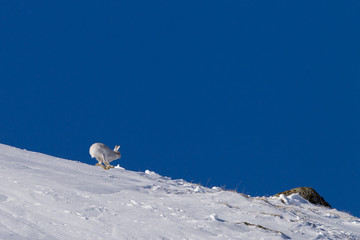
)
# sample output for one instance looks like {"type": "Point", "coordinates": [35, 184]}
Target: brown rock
{"type": "Point", "coordinates": [307, 193]}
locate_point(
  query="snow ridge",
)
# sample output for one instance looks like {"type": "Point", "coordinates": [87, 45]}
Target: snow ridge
{"type": "Point", "coordinates": [43, 197]}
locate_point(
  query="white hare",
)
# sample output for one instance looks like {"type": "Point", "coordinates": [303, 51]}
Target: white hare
{"type": "Point", "coordinates": [104, 155]}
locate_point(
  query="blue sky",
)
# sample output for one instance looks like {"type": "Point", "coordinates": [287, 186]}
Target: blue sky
{"type": "Point", "coordinates": [262, 96]}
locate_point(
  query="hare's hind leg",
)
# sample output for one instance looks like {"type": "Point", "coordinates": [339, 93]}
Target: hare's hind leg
{"type": "Point", "coordinates": [100, 162]}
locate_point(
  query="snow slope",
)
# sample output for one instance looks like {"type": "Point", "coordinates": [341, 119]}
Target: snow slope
{"type": "Point", "coordinates": [43, 197]}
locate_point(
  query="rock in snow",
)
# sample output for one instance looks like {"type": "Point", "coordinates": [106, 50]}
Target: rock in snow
{"type": "Point", "coordinates": [308, 194]}
{"type": "Point", "coordinates": [43, 197]}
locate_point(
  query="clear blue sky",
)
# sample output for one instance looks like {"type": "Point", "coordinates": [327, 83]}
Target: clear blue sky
{"type": "Point", "coordinates": [262, 96]}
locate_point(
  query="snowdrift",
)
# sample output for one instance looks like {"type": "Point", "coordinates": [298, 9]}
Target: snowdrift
{"type": "Point", "coordinates": [43, 197]}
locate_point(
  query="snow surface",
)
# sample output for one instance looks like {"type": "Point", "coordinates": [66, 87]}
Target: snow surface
{"type": "Point", "coordinates": [43, 197]}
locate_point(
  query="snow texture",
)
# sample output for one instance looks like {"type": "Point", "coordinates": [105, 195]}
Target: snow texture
{"type": "Point", "coordinates": [43, 197]}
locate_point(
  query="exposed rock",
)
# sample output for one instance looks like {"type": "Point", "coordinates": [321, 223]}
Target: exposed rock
{"type": "Point", "coordinates": [265, 228]}
{"type": "Point", "coordinates": [307, 193]}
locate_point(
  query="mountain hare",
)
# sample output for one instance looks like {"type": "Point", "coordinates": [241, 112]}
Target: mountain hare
{"type": "Point", "coordinates": [104, 155]}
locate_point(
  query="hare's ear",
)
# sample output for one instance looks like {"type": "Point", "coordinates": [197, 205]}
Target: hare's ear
{"type": "Point", "coordinates": [117, 148]}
